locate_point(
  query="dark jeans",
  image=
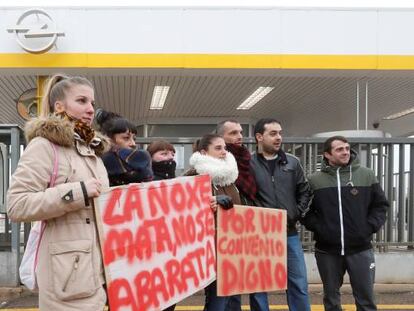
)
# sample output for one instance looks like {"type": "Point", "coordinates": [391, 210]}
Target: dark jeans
{"type": "Point", "coordinates": [361, 271]}
{"type": "Point", "coordinates": [217, 303]}
{"type": "Point", "coordinates": [258, 302]}
{"type": "Point", "coordinates": [297, 287]}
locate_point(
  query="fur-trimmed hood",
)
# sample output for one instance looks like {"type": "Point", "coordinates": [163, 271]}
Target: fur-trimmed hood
{"type": "Point", "coordinates": [222, 172]}
{"type": "Point", "coordinates": [60, 132]}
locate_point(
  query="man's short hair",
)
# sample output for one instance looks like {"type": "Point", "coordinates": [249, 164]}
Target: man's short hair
{"type": "Point", "coordinates": [259, 127]}
{"type": "Point", "coordinates": [327, 145]}
{"type": "Point", "coordinates": [220, 126]}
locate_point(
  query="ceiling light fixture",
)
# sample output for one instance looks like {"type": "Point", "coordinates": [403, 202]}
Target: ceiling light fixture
{"type": "Point", "coordinates": [399, 114]}
{"type": "Point", "coordinates": [255, 97]}
{"type": "Point", "coordinates": [159, 96]}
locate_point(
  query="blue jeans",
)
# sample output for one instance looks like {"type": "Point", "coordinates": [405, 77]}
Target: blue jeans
{"type": "Point", "coordinates": [217, 303]}
{"type": "Point", "coordinates": [258, 302]}
{"type": "Point", "coordinates": [297, 287]}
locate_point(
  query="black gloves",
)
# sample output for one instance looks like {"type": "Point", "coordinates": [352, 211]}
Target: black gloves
{"type": "Point", "coordinates": [225, 201]}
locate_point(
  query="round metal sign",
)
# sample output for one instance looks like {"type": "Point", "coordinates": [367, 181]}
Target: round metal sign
{"type": "Point", "coordinates": [35, 31]}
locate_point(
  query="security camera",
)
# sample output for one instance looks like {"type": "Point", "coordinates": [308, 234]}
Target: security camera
{"type": "Point", "coordinates": [376, 124]}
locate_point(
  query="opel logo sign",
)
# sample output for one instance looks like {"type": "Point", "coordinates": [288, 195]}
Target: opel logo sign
{"type": "Point", "coordinates": [35, 31]}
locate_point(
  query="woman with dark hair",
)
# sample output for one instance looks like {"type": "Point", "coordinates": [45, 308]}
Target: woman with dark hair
{"type": "Point", "coordinates": [162, 155]}
{"type": "Point", "coordinates": [211, 157]}
{"type": "Point", "coordinates": [124, 162]}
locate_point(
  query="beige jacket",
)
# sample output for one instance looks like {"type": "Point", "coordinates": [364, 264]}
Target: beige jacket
{"type": "Point", "coordinates": [69, 273]}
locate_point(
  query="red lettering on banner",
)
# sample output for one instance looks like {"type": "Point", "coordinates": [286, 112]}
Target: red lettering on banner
{"type": "Point", "coordinates": [210, 258]}
{"type": "Point", "coordinates": [205, 222]}
{"type": "Point", "coordinates": [279, 248]}
{"type": "Point", "coordinates": [271, 223]}
{"type": "Point", "coordinates": [204, 185]}
{"type": "Point", "coordinates": [198, 254]}
{"type": "Point", "coordinates": [118, 244]}
{"type": "Point", "coordinates": [158, 286]}
{"type": "Point", "coordinates": [251, 277]}
{"type": "Point", "coordinates": [143, 243]}
{"type": "Point", "coordinates": [249, 218]}
{"type": "Point", "coordinates": [250, 245]}
{"type": "Point", "coordinates": [239, 223]}
{"type": "Point", "coordinates": [241, 275]}
{"type": "Point", "coordinates": [109, 217]}
{"type": "Point", "coordinates": [221, 245]}
{"type": "Point", "coordinates": [230, 277]}
{"type": "Point", "coordinates": [133, 203]}
{"type": "Point", "coordinates": [178, 197]}
{"type": "Point", "coordinates": [115, 289]}
{"type": "Point", "coordinates": [192, 192]}
{"type": "Point", "coordinates": [200, 221]}
{"type": "Point", "coordinates": [162, 235]}
{"type": "Point", "coordinates": [174, 276]}
{"type": "Point", "coordinates": [144, 292]}
{"type": "Point", "coordinates": [209, 222]}
{"type": "Point", "coordinates": [265, 275]}
{"type": "Point", "coordinates": [188, 271]}
{"type": "Point", "coordinates": [158, 199]}
{"type": "Point", "coordinates": [151, 286]}
{"type": "Point", "coordinates": [180, 231]}
{"type": "Point", "coordinates": [280, 275]}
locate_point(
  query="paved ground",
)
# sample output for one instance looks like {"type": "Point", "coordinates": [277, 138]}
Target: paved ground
{"type": "Point", "coordinates": [389, 297]}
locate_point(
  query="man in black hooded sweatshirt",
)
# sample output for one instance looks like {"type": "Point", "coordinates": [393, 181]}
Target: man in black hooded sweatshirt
{"type": "Point", "coordinates": [348, 207]}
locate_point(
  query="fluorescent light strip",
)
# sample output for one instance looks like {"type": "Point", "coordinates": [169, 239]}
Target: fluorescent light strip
{"type": "Point", "coordinates": [255, 97]}
{"type": "Point", "coordinates": [158, 97]}
{"type": "Point", "coordinates": [399, 114]}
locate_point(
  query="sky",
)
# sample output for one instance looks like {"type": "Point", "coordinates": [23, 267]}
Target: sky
{"type": "Point", "coordinates": [215, 3]}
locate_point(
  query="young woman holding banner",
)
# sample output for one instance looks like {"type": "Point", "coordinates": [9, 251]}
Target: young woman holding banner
{"type": "Point", "coordinates": [210, 157]}
{"type": "Point", "coordinates": [69, 270]}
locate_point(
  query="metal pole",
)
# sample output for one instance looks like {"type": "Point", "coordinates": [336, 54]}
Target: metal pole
{"type": "Point", "coordinates": [411, 197]}
{"type": "Point", "coordinates": [315, 158]}
{"type": "Point", "coordinates": [380, 235]}
{"type": "Point", "coordinates": [369, 157]}
{"type": "Point", "coordinates": [401, 195]}
{"type": "Point", "coordinates": [390, 192]}
{"type": "Point", "coordinates": [310, 162]}
{"type": "Point", "coordinates": [366, 105]}
{"type": "Point", "coordinates": [357, 95]}
{"type": "Point", "coordinates": [15, 238]}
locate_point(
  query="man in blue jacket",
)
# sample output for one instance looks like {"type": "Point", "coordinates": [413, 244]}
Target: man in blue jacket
{"type": "Point", "coordinates": [281, 184]}
{"type": "Point", "coordinates": [348, 207]}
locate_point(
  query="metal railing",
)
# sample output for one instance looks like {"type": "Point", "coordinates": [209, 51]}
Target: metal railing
{"type": "Point", "coordinates": [392, 159]}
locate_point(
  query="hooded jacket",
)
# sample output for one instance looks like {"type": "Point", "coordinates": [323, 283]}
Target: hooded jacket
{"type": "Point", "coordinates": [285, 188]}
{"type": "Point", "coordinates": [348, 206]}
{"type": "Point", "coordinates": [69, 271]}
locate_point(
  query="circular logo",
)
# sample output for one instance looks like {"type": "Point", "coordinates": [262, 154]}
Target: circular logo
{"type": "Point", "coordinates": [27, 104]}
{"type": "Point", "coordinates": [35, 31]}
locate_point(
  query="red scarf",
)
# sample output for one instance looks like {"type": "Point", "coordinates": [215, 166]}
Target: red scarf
{"type": "Point", "coordinates": [245, 181]}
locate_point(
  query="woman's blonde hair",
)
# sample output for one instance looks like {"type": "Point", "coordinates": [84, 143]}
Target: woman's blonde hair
{"type": "Point", "coordinates": [56, 88]}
